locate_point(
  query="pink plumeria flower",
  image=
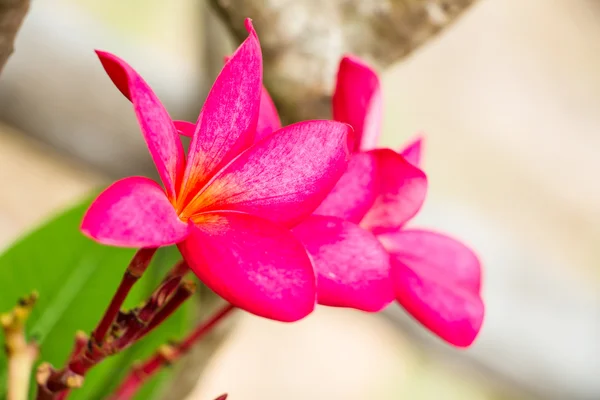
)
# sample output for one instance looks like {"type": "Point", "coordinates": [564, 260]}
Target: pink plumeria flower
{"type": "Point", "coordinates": [435, 278]}
{"type": "Point", "coordinates": [229, 206]}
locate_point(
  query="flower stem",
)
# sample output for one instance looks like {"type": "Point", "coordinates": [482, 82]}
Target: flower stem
{"type": "Point", "coordinates": [157, 309]}
{"type": "Point", "coordinates": [183, 292]}
{"type": "Point", "coordinates": [134, 271]}
{"type": "Point", "coordinates": [21, 354]}
{"type": "Point", "coordinates": [166, 355]}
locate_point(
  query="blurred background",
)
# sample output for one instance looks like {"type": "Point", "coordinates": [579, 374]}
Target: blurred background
{"type": "Point", "coordinates": [508, 99]}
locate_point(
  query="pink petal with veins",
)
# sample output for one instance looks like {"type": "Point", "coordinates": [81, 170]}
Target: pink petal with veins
{"type": "Point", "coordinates": [134, 212]}
{"type": "Point", "coordinates": [284, 177]}
{"type": "Point", "coordinates": [400, 194]}
{"type": "Point", "coordinates": [437, 279]}
{"type": "Point", "coordinates": [353, 268]}
{"type": "Point", "coordinates": [355, 192]}
{"type": "Point", "coordinates": [227, 122]}
{"type": "Point", "coordinates": [156, 124]}
{"type": "Point", "coordinates": [252, 263]}
{"type": "Point", "coordinates": [268, 118]}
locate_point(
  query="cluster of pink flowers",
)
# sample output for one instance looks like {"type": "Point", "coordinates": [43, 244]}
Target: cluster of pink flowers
{"type": "Point", "coordinates": [277, 219]}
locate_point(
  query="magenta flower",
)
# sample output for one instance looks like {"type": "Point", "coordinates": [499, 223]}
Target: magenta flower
{"type": "Point", "coordinates": [434, 277]}
{"type": "Point", "coordinates": [229, 206]}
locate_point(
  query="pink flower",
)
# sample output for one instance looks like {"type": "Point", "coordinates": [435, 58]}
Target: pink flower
{"type": "Point", "coordinates": [230, 204]}
{"type": "Point", "coordinates": [434, 277]}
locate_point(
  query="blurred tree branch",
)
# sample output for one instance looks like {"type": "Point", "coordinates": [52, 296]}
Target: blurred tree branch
{"type": "Point", "coordinates": [303, 41]}
{"type": "Point", "coordinates": [12, 13]}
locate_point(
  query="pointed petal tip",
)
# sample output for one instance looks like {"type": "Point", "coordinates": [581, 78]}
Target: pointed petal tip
{"type": "Point", "coordinates": [355, 61]}
{"type": "Point", "coordinates": [249, 26]}
{"type": "Point", "coordinates": [357, 101]}
{"type": "Point", "coordinates": [413, 151]}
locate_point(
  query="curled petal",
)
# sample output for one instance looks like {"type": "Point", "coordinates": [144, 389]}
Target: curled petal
{"type": "Point", "coordinates": [282, 178]}
{"type": "Point", "coordinates": [399, 195]}
{"type": "Point", "coordinates": [355, 192]}
{"type": "Point", "coordinates": [134, 212]}
{"type": "Point", "coordinates": [413, 151]}
{"type": "Point", "coordinates": [156, 124]}
{"type": "Point", "coordinates": [437, 280]}
{"type": "Point", "coordinates": [353, 268]}
{"type": "Point", "coordinates": [185, 128]}
{"type": "Point", "coordinates": [357, 101]}
{"type": "Point", "coordinates": [228, 119]}
{"type": "Point", "coordinates": [252, 263]}
{"type": "Point", "coordinates": [268, 118]}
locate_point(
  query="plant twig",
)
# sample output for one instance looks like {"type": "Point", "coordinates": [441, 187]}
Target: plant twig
{"type": "Point", "coordinates": [167, 355]}
{"type": "Point", "coordinates": [12, 13]}
{"type": "Point", "coordinates": [21, 354]}
{"type": "Point", "coordinates": [134, 271]}
{"type": "Point", "coordinates": [170, 288]}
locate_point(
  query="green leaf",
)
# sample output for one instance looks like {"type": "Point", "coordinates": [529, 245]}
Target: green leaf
{"type": "Point", "coordinates": [76, 278]}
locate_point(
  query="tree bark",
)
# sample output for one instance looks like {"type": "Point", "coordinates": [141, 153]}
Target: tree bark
{"type": "Point", "coordinates": [303, 41]}
{"type": "Point", "coordinates": [12, 13]}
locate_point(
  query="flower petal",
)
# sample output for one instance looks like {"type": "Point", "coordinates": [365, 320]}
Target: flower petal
{"type": "Point", "coordinates": [437, 279]}
{"type": "Point", "coordinates": [252, 263]}
{"type": "Point", "coordinates": [156, 124]}
{"type": "Point", "coordinates": [413, 151]}
{"type": "Point", "coordinates": [185, 128]}
{"type": "Point", "coordinates": [357, 101]}
{"type": "Point", "coordinates": [284, 177]}
{"type": "Point", "coordinates": [228, 119]}
{"type": "Point", "coordinates": [355, 192]}
{"type": "Point", "coordinates": [134, 212]}
{"type": "Point", "coordinates": [400, 193]}
{"type": "Point", "coordinates": [353, 268]}
{"type": "Point", "coordinates": [268, 118]}
{"type": "Point", "coordinates": [437, 252]}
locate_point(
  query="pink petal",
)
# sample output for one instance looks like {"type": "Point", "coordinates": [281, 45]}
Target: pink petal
{"type": "Point", "coordinates": [252, 263]}
{"type": "Point", "coordinates": [353, 268]}
{"type": "Point", "coordinates": [134, 212]}
{"type": "Point", "coordinates": [156, 125]}
{"type": "Point", "coordinates": [185, 128]}
{"type": "Point", "coordinates": [400, 194]}
{"type": "Point", "coordinates": [228, 119]}
{"type": "Point", "coordinates": [436, 252]}
{"type": "Point", "coordinates": [355, 192]}
{"type": "Point", "coordinates": [413, 151]}
{"type": "Point", "coordinates": [437, 279]}
{"type": "Point", "coordinates": [268, 118]}
{"type": "Point", "coordinates": [357, 101]}
{"type": "Point", "coordinates": [284, 177]}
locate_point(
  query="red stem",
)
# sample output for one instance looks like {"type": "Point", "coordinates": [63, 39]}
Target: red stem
{"type": "Point", "coordinates": [134, 271]}
{"type": "Point", "coordinates": [165, 356]}
{"type": "Point", "coordinates": [183, 292]}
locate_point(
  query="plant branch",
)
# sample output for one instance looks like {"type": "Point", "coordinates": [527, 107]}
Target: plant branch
{"type": "Point", "coordinates": [12, 13]}
{"type": "Point", "coordinates": [303, 41]}
{"type": "Point", "coordinates": [134, 271]}
{"type": "Point", "coordinates": [21, 354]}
{"type": "Point", "coordinates": [167, 355]}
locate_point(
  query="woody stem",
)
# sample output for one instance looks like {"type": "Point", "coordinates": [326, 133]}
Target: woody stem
{"type": "Point", "coordinates": [167, 355]}
{"type": "Point", "coordinates": [134, 271]}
